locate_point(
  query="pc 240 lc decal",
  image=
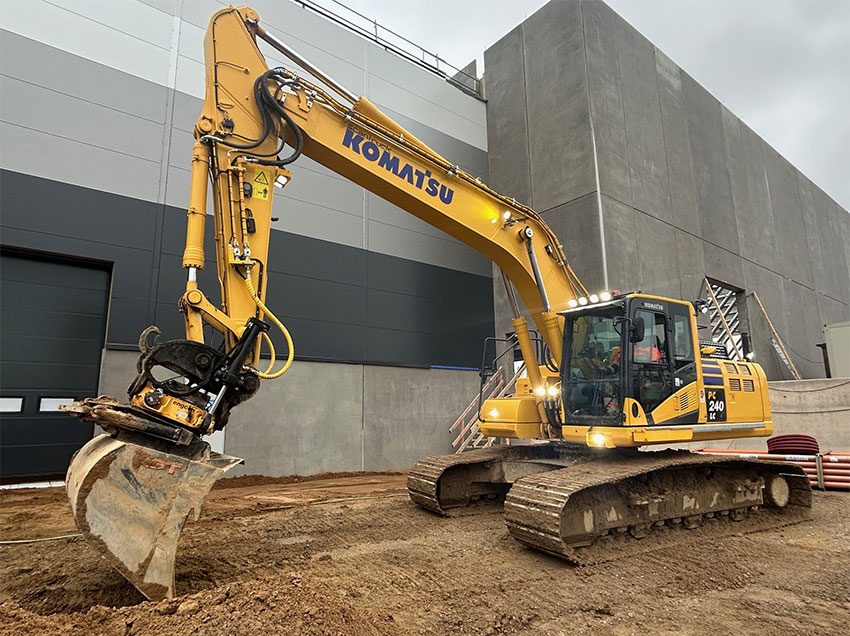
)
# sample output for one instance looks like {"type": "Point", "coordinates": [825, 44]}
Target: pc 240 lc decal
{"type": "Point", "coordinates": [715, 407]}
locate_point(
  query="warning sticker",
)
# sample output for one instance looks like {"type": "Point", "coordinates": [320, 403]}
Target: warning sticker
{"type": "Point", "coordinates": [261, 185]}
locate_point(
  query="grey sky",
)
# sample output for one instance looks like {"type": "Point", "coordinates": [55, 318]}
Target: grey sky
{"type": "Point", "coordinates": [782, 66]}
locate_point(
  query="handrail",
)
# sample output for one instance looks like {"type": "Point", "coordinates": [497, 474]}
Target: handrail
{"type": "Point", "coordinates": [373, 36]}
{"type": "Point", "coordinates": [463, 415]}
{"type": "Point", "coordinates": [469, 428]}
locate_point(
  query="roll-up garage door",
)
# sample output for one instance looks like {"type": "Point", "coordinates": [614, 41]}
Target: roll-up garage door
{"type": "Point", "coordinates": [52, 329]}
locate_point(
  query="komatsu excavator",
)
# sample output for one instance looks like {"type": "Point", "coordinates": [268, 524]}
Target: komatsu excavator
{"type": "Point", "coordinates": [619, 371]}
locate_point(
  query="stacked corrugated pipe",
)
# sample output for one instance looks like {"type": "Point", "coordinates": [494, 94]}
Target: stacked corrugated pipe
{"type": "Point", "coordinates": [825, 470]}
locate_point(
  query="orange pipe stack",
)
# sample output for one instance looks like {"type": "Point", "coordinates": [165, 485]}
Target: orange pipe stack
{"type": "Point", "coordinates": [825, 470]}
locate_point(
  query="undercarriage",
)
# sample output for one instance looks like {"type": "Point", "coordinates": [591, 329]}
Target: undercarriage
{"type": "Point", "coordinates": [589, 506]}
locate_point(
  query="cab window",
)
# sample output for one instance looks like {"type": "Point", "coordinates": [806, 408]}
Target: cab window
{"type": "Point", "coordinates": [652, 348]}
{"type": "Point", "coordinates": [652, 381]}
{"type": "Point", "coordinates": [684, 368]}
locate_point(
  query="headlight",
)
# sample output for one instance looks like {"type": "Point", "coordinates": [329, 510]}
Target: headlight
{"type": "Point", "coordinates": [605, 296]}
{"type": "Point", "coordinates": [597, 439]}
{"type": "Point", "coordinates": [594, 298]}
{"type": "Point", "coordinates": [541, 391]}
{"type": "Point", "coordinates": [552, 391]}
{"type": "Point", "coordinates": [494, 413]}
{"type": "Point", "coordinates": [572, 303]}
{"type": "Point", "coordinates": [582, 301]}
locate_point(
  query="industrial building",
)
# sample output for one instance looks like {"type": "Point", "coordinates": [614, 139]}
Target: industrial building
{"type": "Point", "coordinates": [653, 184]}
{"type": "Point", "coordinates": [650, 182]}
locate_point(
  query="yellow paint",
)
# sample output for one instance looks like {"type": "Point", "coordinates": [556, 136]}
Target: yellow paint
{"type": "Point", "coordinates": [175, 409]}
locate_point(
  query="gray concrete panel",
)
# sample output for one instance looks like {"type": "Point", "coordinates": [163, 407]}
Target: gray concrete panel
{"type": "Point", "coordinates": [791, 253]}
{"type": "Point", "coordinates": [831, 311]}
{"type": "Point", "coordinates": [714, 196]}
{"type": "Point", "coordinates": [424, 247]}
{"type": "Point", "coordinates": [577, 225]}
{"type": "Point", "coordinates": [840, 223]}
{"type": "Point", "coordinates": [507, 119]}
{"type": "Point", "coordinates": [301, 216]}
{"type": "Point", "coordinates": [811, 199]}
{"type": "Point", "coordinates": [187, 109]}
{"type": "Point", "coordinates": [753, 209]}
{"type": "Point", "coordinates": [659, 271]}
{"type": "Point", "coordinates": [382, 211]}
{"type": "Point", "coordinates": [407, 413]}
{"type": "Point", "coordinates": [690, 259]}
{"type": "Point", "coordinates": [606, 99]}
{"type": "Point", "coordinates": [644, 131]}
{"type": "Point", "coordinates": [501, 308]}
{"type": "Point", "coordinates": [166, 6]}
{"type": "Point", "coordinates": [826, 230]}
{"type": "Point", "coordinates": [36, 108]}
{"type": "Point", "coordinates": [621, 247]}
{"type": "Point", "coordinates": [556, 91]}
{"type": "Point", "coordinates": [308, 422]}
{"type": "Point", "coordinates": [804, 329]}
{"type": "Point", "coordinates": [77, 163]}
{"type": "Point", "coordinates": [323, 190]}
{"type": "Point", "coordinates": [771, 292]}
{"type": "Point", "coordinates": [98, 31]}
{"type": "Point", "coordinates": [723, 265]}
{"type": "Point", "coordinates": [677, 145]}
{"type": "Point", "coordinates": [37, 63]}
{"type": "Point", "coordinates": [467, 75]}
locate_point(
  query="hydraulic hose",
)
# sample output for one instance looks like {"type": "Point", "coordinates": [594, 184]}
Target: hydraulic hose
{"type": "Point", "coordinates": [268, 106]}
{"type": "Point", "coordinates": [268, 375]}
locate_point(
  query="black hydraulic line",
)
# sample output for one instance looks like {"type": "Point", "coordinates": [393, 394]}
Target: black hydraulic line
{"type": "Point", "coordinates": [278, 109]}
{"type": "Point", "coordinates": [269, 105]}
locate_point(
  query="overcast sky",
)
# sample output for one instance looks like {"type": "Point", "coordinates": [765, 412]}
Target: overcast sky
{"type": "Point", "coordinates": [782, 66]}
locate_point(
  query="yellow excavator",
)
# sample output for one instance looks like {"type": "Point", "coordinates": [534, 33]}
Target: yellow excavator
{"type": "Point", "coordinates": [606, 372]}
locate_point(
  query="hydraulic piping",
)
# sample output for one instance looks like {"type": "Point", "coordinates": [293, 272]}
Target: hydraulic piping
{"type": "Point", "coordinates": [268, 375]}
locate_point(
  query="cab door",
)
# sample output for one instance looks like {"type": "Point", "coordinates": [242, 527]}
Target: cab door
{"type": "Point", "coordinates": [650, 375]}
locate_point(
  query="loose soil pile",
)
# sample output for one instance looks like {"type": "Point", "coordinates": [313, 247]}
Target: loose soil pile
{"type": "Point", "coordinates": [352, 556]}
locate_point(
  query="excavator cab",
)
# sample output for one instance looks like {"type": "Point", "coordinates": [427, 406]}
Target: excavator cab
{"type": "Point", "coordinates": [635, 351]}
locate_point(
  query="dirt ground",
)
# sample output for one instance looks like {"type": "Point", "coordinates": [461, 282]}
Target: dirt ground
{"type": "Point", "coordinates": [352, 555]}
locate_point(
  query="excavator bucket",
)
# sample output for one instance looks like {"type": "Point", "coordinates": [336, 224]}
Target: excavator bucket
{"type": "Point", "coordinates": [130, 503]}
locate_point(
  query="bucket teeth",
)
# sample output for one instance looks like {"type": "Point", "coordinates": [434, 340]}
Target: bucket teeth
{"type": "Point", "coordinates": [130, 503]}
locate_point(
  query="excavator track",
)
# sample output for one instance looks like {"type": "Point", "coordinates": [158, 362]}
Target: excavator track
{"type": "Point", "coordinates": [443, 482]}
{"type": "Point", "coordinates": [597, 511]}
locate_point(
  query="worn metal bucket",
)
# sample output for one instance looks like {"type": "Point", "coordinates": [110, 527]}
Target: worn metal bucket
{"type": "Point", "coordinates": [130, 503]}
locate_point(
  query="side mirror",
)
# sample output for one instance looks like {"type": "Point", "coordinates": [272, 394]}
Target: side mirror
{"type": "Point", "coordinates": [636, 332]}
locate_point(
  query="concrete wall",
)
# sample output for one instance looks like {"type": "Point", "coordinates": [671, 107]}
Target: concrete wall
{"type": "Point", "coordinates": [820, 408]}
{"type": "Point", "coordinates": [652, 184]}
{"type": "Point", "coordinates": [327, 417]}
